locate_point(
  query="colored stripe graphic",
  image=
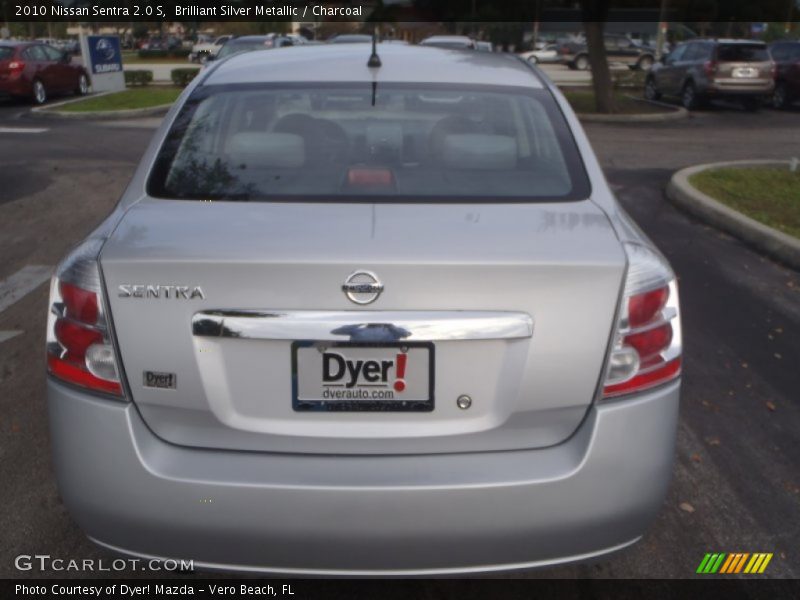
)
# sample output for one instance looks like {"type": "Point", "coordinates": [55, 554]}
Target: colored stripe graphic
{"type": "Point", "coordinates": [754, 563]}
{"type": "Point", "coordinates": [736, 562]}
{"type": "Point", "coordinates": [715, 567]}
{"type": "Point", "coordinates": [765, 563]}
{"type": "Point", "coordinates": [711, 563]}
{"type": "Point", "coordinates": [742, 560]}
{"type": "Point", "coordinates": [726, 566]}
{"type": "Point", "coordinates": [758, 563]}
{"type": "Point", "coordinates": [703, 563]}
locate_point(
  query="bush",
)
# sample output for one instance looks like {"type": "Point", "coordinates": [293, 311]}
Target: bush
{"type": "Point", "coordinates": [138, 77]}
{"type": "Point", "coordinates": [633, 79]}
{"type": "Point", "coordinates": [182, 77]}
{"type": "Point", "coordinates": [176, 53]}
{"type": "Point", "coordinates": [152, 53]}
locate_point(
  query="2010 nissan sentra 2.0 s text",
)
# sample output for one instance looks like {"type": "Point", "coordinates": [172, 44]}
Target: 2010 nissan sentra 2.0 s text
{"type": "Point", "coordinates": [352, 319]}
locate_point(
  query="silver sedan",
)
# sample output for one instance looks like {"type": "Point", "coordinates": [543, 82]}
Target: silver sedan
{"type": "Point", "coordinates": [365, 319]}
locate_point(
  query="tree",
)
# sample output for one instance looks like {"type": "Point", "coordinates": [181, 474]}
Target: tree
{"type": "Point", "coordinates": [594, 13]}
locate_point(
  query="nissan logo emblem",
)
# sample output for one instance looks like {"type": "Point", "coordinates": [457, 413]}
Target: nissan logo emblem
{"type": "Point", "coordinates": [362, 287]}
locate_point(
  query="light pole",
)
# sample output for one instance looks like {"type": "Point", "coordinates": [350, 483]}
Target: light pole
{"type": "Point", "coordinates": [662, 30]}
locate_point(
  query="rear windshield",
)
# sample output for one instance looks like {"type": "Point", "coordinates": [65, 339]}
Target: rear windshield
{"type": "Point", "coordinates": [742, 53]}
{"type": "Point", "coordinates": [369, 142]}
{"type": "Point", "coordinates": [6, 53]}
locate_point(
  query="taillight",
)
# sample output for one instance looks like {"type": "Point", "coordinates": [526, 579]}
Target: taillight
{"type": "Point", "coordinates": [16, 67]}
{"type": "Point", "coordinates": [710, 67]}
{"type": "Point", "coordinates": [647, 343]}
{"type": "Point", "coordinates": [79, 348]}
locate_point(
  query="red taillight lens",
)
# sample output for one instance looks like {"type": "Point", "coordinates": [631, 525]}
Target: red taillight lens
{"type": "Point", "coordinates": [75, 338]}
{"type": "Point", "coordinates": [74, 374]}
{"type": "Point", "coordinates": [645, 380]}
{"type": "Point", "coordinates": [648, 345]}
{"type": "Point", "coordinates": [79, 350]}
{"type": "Point", "coordinates": [650, 342]}
{"type": "Point", "coordinates": [81, 304]}
{"type": "Point", "coordinates": [710, 67]}
{"type": "Point", "coordinates": [15, 68]}
{"type": "Point", "coordinates": [643, 307]}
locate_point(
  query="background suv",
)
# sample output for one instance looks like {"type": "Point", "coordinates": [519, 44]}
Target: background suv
{"type": "Point", "coordinates": [700, 70]}
{"type": "Point", "coordinates": [786, 55]}
{"type": "Point", "coordinates": [619, 49]}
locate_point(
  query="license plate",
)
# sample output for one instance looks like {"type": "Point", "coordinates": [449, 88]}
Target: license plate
{"type": "Point", "coordinates": [339, 376]}
{"type": "Point", "coordinates": [745, 72]}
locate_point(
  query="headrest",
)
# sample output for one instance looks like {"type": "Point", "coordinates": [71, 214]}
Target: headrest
{"type": "Point", "coordinates": [479, 151]}
{"type": "Point", "coordinates": [254, 149]}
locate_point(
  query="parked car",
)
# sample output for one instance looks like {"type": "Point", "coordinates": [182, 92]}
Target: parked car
{"type": "Point", "coordinates": [702, 70]}
{"type": "Point", "coordinates": [350, 38]}
{"type": "Point", "coordinates": [620, 49]}
{"type": "Point", "coordinates": [786, 55]}
{"type": "Point", "coordinates": [546, 55]}
{"type": "Point", "coordinates": [37, 71]}
{"type": "Point", "coordinates": [409, 330]}
{"type": "Point", "coordinates": [248, 43]}
{"type": "Point", "coordinates": [162, 43]}
{"type": "Point", "coordinates": [202, 51]}
{"type": "Point", "coordinates": [71, 46]}
{"type": "Point", "coordinates": [297, 39]}
{"type": "Point", "coordinates": [456, 42]}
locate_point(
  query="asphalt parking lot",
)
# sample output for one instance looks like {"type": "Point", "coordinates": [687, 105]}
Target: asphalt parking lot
{"type": "Point", "coordinates": [736, 483]}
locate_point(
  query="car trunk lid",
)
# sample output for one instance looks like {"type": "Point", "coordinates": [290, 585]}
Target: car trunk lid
{"type": "Point", "coordinates": [511, 305]}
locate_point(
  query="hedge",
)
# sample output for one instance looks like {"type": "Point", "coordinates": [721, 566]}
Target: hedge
{"type": "Point", "coordinates": [182, 77]}
{"type": "Point", "coordinates": [628, 79]}
{"type": "Point", "coordinates": [176, 53]}
{"type": "Point", "coordinates": [138, 77]}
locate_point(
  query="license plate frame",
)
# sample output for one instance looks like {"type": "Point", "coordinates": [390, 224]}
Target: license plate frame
{"type": "Point", "coordinates": [382, 405]}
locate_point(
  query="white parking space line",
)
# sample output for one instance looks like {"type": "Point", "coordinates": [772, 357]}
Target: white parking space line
{"type": "Point", "coordinates": [7, 335]}
{"type": "Point", "coordinates": [23, 129]}
{"type": "Point", "coordinates": [22, 282]}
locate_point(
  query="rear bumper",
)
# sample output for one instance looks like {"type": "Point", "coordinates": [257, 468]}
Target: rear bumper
{"type": "Point", "coordinates": [15, 87]}
{"type": "Point", "coordinates": [735, 89]}
{"type": "Point", "coordinates": [363, 515]}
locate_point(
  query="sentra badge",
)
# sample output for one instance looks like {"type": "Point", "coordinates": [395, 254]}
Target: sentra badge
{"type": "Point", "coordinates": [143, 290]}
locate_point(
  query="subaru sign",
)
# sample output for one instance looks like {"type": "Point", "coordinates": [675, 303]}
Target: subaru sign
{"type": "Point", "coordinates": [102, 56]}
{"type": "Point", "coordinates": [105, 53]}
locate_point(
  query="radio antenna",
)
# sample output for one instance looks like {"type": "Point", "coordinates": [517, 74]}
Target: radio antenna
{"type": "Point", "coordinates": [374, 60]}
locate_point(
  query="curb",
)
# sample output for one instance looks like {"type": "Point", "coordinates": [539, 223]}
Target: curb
{"type": "Point", "coordinates": [677, 112]}
{"type": "Point", "coordinates": [150, 111]}
{"type": "Point", "coordinates": [772, 242]}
